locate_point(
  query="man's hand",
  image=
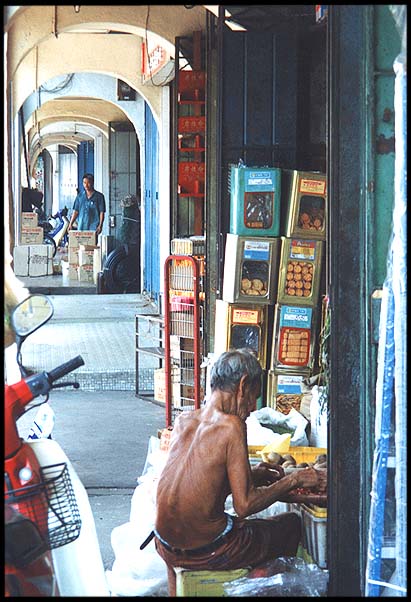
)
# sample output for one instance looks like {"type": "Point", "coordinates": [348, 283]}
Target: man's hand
{"type": "Point", "coordinates": [98, 230]}
{"type": "Point", "coordinates": [311, 478]}
{"type": "Point", "coordinates": [266, 474]}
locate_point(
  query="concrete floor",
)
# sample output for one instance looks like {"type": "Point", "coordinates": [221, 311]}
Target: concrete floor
{"type": "Point", "coordinates": [106, 436]}
{"type": "Point", "coordinates": [103, 427]}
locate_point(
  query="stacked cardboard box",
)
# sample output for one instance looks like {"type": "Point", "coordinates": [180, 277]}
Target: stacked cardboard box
{"type": "Point", "coordinates": [77, 239]}
{"type": "Point", "coordinates": [31, 233]}
{"type": "Point", "coordinates": [97, 263]}
{"type": "Point", "coordinates": [29, 219]}
{"type": "Point", "coordinates": [33, 260]}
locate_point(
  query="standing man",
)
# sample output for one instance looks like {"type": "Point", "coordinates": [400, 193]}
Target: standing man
{"type": "Point", "coordinates": [89, 207]}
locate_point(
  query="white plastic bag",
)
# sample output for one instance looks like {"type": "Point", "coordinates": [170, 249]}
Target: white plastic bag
{"type": "Point", "coordinates": [257, 434]}
{"type": "Point", "coordinates": [319, 418]}
{"type": "Point", "coordinates": [138, 572]}
{"type": "Point", "coordinates": [294, 422]}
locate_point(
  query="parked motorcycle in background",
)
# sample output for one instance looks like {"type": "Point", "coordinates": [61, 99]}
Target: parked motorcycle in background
{"type": "Point", "coordinates": [51, 545]}
{"type": "Point", "coordinates": [55, 228]}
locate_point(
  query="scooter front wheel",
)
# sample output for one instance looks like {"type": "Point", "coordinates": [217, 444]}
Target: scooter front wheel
{"type": "Point", "coordinates": [48, 240]}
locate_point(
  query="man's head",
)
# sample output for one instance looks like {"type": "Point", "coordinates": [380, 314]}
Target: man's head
{"type": "Point", "coordinates": [88, 181]}
{"type": "Point", "coordinates": [238, 371]}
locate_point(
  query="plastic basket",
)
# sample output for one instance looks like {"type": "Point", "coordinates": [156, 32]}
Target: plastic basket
{"type": "Point", "coordinates": [301, 454]}
{"type": "Point", "coordinates": [50, 504]}
{"type": "Point", "coordinates": [315, 534]}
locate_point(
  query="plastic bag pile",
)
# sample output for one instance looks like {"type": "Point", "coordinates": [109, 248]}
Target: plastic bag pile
{"type": "Point", "coordinates": [283, 577]}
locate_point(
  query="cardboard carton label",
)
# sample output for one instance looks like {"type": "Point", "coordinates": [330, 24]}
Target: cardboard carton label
{"type": "Point", "coordinates": [85, 256]}
{"type": "Point", "coordinates": [29, 219]}
{"type": "Point", "coordinates": [73, 255]}
{"type": "Point", "coordinates": [81, 237]}
{"type": "Point", "coordinates": [85, 273]}
{"type": "Point", "coordinates": [31, 236]}
{"type": "Point", "coordinates": [73, 271]}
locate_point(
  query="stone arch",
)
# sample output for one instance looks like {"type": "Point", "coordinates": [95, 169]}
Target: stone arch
{"type": "Point", "coordinates": [58, 37]}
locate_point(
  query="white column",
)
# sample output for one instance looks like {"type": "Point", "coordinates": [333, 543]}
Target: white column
{"type": "Point", "coordinates": [164, 179]}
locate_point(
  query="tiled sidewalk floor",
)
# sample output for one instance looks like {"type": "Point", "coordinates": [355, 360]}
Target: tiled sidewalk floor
{"type": "Point", "coordinates": [107, 344]}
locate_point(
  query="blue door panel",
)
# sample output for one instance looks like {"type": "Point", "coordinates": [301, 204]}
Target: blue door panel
{"type": "Point", "coordinates": [151, 226]}
{"type": "Point", "coordinates": [85, 161]}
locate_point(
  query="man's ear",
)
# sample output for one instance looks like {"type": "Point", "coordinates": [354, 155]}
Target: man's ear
{"type": "Point", "coordinates": [242, 385]}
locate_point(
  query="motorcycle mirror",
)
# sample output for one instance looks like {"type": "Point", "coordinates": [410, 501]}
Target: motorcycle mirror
{"type": "Point", "coordinates": [27, 317]}
{"type": "Point", "coordinates": [30, 314]}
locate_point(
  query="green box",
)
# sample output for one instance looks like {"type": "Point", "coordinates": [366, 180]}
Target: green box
{"type": "Point", "coordinates": [255, 199]}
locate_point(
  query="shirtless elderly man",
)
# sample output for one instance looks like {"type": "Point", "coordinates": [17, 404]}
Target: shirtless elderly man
{"type": "Point", "coordinates": [208, 459]}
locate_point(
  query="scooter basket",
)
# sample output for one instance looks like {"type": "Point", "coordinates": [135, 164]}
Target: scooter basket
{"type": "Point", "coordinates": [50, 504]}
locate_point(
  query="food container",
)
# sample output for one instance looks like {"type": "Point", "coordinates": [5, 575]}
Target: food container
{"type": "Point", "coordinates": [300, 271]}
{"type": "Point", "coordinates": [239, 325]}
{"type": "Point", "coordinates": [251, 269]}
{"type": "Point", "coordinates": [293, 339]}
{"type": "Point", "coordinates": [182, 274]}
{"type": "Point", "coordinates": [193, 245]}
{"type": "Point", "coordinates": [306, 200]}
{"type": "Point", "coordinates": [284, 391]}
{"type": "Point", "coordinates": [255, 201]}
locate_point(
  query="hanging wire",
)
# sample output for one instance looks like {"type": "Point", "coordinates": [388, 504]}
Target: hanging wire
{"type": "Point", "coordinates": [59, 87]}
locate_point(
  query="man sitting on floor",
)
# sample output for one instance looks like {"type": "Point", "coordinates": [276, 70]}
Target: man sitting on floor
{"type": "Point", "coordinates": [208, 460]}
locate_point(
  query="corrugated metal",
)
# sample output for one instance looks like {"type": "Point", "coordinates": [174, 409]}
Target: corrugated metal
{"type": "Point", "coordinates": [259, 105]}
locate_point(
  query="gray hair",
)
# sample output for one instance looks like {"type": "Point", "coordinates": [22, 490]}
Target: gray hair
{"type": "Point", "coordinates": [227, 371]}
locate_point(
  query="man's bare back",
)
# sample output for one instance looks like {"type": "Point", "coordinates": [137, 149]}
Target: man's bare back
{"type": "Point", "coordinates": [194, 484]}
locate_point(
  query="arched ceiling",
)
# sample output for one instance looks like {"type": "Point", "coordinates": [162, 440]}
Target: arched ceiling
{"type": "Point", "coordinates": [89, 110]}
{"type": "Point", "coordinates": [71, 111]}
{"type": "Point", "coordinates": [165, 22]}
{"type": "Point", "coordinates": [44, 41]}
{"type": "Point", "coordinates": [48, 41]}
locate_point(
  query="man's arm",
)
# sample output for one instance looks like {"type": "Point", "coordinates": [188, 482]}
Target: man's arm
{"type": "Point", "coordinates": [100, 225]}
{"type": "Point", "coordinates": [249, 498]}
{"type": "Point", "coordinates": [102, 212]}
{"type": "Point", "coordinates": [72, 219]}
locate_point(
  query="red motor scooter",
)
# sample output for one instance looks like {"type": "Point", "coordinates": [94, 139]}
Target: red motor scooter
{"type": "Point", "coordinates": [43, 510]}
